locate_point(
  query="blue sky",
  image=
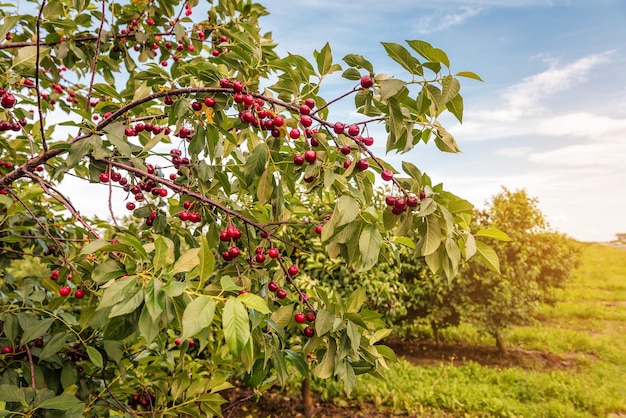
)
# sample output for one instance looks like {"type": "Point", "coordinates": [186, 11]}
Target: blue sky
{"type": "Point", "coordinates": [550, 116]}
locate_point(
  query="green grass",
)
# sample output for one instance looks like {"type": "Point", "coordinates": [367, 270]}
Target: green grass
{"type": "Point", "coordinates": [588, 322]}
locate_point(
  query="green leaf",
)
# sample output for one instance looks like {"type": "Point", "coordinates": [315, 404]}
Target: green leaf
{"type": "Point", "coordinates": [432, 237]}
{"type": "Point", "coordinates": [34, 331]}
{"type": "Point", "coordinates": [147, 326]}
{"type": "Point", "coordinates": [298, 361]}
{"type": "Point", "coordinates": [282, 316]}
{"type": "Point", "coordinates": [53, 346]}
{"type": "Point", "coordinates": [489, 256]}
{"type": "Point", "coordinates": [128, 305]}
{"type": "Point", "coordinates": [107, 271]}
{"type": "Point", "coordinates": [27, 56]}
{"type": "Point", "coordinates": [354, 60]}
{"type": "Point", "coordinates": [324, 322]}
{"type": "Point", "coordinates": [356, 300]}
{"type": "Point", "coordinates": [389, 87]}
{"type": "Point", "coordinates": [412, 171]}
{"type": "Point", "coordinates": [62, 402]}
{"type": "Point", "coordinates": [324, 60]}
{"type": "Point", "coordinates": [207, 260]}
{"type": "Point", "coordinates": [370, 242]}
{"type": "Point", "coordinates": [117, 291]}
{"type": "Point", "coordinates": [187, 261]}
{"type": "Point", "coordinates": [94, 356]}
{"type": "Point", "coordinates": [493, 233]}
{"type": "Point", "coordinates": [10, 393]}
{"type": "Point", "coordinates": [351, 74]}
{"type": "Point", "coordinates": [255, 163]}
{"type": "Point", "coordinates": [154, 298]}
{"type": "Point", "coordinates": [266, 187]}
{"type": "Point", "coordinates": [346, 210]}
{"type": "Point", "coordinates": [403, 57]}
{"type": "Point", "coordinates": [469, 74]}
{"type": "Point", "coordinates": [236, 325]}
{"type": "Point", "coordinates": [255, 302]}
{"type": "Point", "coordinates": [163, 252]}
{"type": "Point", "coordinates": [427, 51]}
{"type": "Point", "coordinates": [450, 88]}
{"type": "Point", "coordinates": [407, 242]}
{"type": "Point", "coordinates": [444, 140]}
{"type": "Point", "coordinates": [115, 134]}
{"type": "Point", "coordinates": [325, 369]}
{"type": "Point", "coordinates": [455, 106]}
{"type": "Point", "coordinates": [198, 315]}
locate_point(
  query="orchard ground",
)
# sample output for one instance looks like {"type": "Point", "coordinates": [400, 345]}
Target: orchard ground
{"type": "Point", "coordinates": [571, 363]}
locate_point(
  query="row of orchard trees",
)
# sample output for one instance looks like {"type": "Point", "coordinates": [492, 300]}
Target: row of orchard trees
{"type": "Point", "coordinates": [533, 261]}
{"type": "Point", "coordinates": [170, 107]}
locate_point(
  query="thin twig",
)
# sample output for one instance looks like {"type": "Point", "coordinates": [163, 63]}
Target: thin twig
{"type": "Point", "coordinates": [33, 382]}
{"type": "Point", "coordinates": [42, 129]}
{"type": "Point", "coordinates": [95, 58]}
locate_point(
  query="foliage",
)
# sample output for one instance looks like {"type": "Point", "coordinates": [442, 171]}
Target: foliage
{"type": "Point", "coordinates": [176, 115]}
{"type": "Point", "coordinates": [534, 261]}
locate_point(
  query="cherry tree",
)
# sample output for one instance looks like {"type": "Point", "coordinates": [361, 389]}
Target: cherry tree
{"type": "Point", "coordinates": [211, 153]}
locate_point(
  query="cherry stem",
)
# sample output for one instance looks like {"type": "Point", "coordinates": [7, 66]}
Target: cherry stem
{"type": "Point", "coordinates": [354, 90]}
{"type": "Point", "coordinates": [95, 57]}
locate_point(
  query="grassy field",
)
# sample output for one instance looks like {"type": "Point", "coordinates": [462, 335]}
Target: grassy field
{"type": "Point", "coordinates": [587, 327]}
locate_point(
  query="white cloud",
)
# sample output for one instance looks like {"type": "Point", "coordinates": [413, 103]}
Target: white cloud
{"type": "Point", "coordinates": [444, 20]}
{"type": "Point", "coordinates": [584, 124]}
{"type": "Point", "coordinates": [514, 152]}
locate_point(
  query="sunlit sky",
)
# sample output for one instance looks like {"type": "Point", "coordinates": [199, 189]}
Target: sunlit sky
{"type": "Point", "coordinates": [549, 117]}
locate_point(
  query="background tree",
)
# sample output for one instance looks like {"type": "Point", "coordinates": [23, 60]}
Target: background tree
{"type": "Point", "coordinates": [168, 108]}
{"type": "Point", "coordinates": [534, 261]}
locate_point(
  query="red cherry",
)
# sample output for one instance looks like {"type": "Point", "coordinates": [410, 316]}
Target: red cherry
{"type": "Point", "coordinates": [318, 229]}
{"type": "Point", "coordinates": [177, 341]}
{"type": "Point", "coordinates": [309, 332]}
{"type": "Point", "coordinates": [273, 252]}
{"type": "Point", "coordinates": [310, 316]}
{"type": "Point", "coordinates": [368, 141]}
{"type": "Point", "coordinates": [234, 252]}
{"type": "Point", "coordinates": [224, 82]}
{"type": "Point", "coordinates": [346, 149]}
{"type": "Point", "coordinates": [422, 195]}
{"type": "Point", "coordinates": [390, 200]}
{"type": "Point", "coordinates": [209, 102]}
{"type": "Point", "coordinates": [306, 121]}
{"type": "Point", "coordinates": [354, 130]}
{"type": "Point", "coordinates": [54, 275]}
{"type": "Point", "coordinates": [347, 164]}
{"type": "Point", "coordinates": [366, 82]}
{"type": "Point", "coordinates": [310, 103]}
{"type": "Point", "coordinates": [294, 133]}
{"type": "Point", "coordinates": [130, 206]}
{"type": "Point", "coordinates": [339, 128]}
{"type": "Point", "coordinates": [281, 293]}
{"type": "Point", "coordinates": [362, 164]}
{"type": "Point", "coordinates": [8, 100]}
{"type": "Point", "coordinates": [7, 349]}
{"type": "Point", "coordinates": [304, 109]}
{"type": "Point", "coordinates": [197, 106]}
{"type": "Point", "coordinates": [293, 270]}
{"type": "Point", "coordinates": [65, 291]}
{"type": "Point", "coordinates": [183, 216]}
{"type": "Point", "coordinates": [237, 86]}
{"type": "Point", "coordinates": [272, 286]}
{"type": "Point", "coordinates": [279, 121]}
{"type": "Point", "coordinates": [298, 159]}
{"type": "Point", "coordinates": [310, 156]}
{"type": "Point", "coordinates": [299, 317]}
{"type": "Point", "coordinates": [188, 204]}
{"type": "Point", "coordinates": [224, 235]}
{"type": "Point", "coordinates": [194, 217]}
{"type": "Point", "coordinates": [104, 177]}
{"type": "Point", "coordinates": [386, 175]}
{"type": "Point", "coordinates": [79, 293]}
{"type": "Point", "coordinates": [412, 201]}
{"type": "Point", "coordinates": [260, 258]}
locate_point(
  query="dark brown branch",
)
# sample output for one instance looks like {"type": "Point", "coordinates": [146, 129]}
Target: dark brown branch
{"type": "Point", "coordinates": [31, 365]}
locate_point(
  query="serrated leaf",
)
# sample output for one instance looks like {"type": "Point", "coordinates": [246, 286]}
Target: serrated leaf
{"type": "Point", "coordinates": [255, 302]}
{"type": "Point", "coordinates": [53, 346]}
{"type": "Point", "coordinates": [282, 316]}
{"type": "Point", "coordinates": [370, 242]}
{"type": "Point", "coordinates": [27, 56]}
{"type": "Point", "coordinates": [63, 402]}
{"type": "Point", "coordinates": [432, 236]}
{"type": "Point", "coordinates": [154, 298]}
{"type": "Point", "coordinates": [488, 256]}
{"type": "Point", "coordinates": [450, 88]}
{"type": "Point", "coordinates": [198, 315]}
{"type": "Point", "coordinates": [403, 57]}
{"type": "Point", "coordinates": [207, 261]}
{"type": "Point", "coordinates": [493, 233]}
{"type": "Point", "coordinates": [469, 74]}
{"type": "Point", "coordinates": [455, 106]}
{"type": "Point", "coordinates": [36, 330]}
{"type": "Point", "coordinates": [324, 322]}
{"type": "Point", "coordinates": [354, 60]}
{"type": "Point", "coordinates": [95, 356]}
{"type": "Point", "coordinates": [115, 134]}
{"type": "Point", "coordinates": [236, 325]}
{"type": "Point", "coordinates": [266, 187]}
{"type": "Point", "coordinates": [390, 87]}
{"type": "Point", "coordinates": [187, 261]}
{"type": "Point", "coordinates": [324, 60]}
{"type": "Point", "coordinates": [325, 369]}
{"type": "Point", "coordinates": [11, 393]}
